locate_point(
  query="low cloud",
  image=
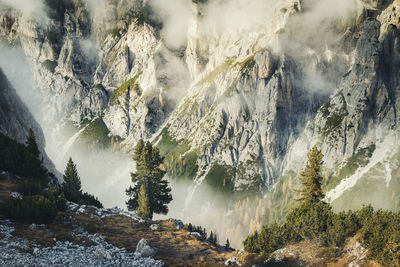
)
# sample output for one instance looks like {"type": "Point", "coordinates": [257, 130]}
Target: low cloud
{"type": "Point", "coordinates": [175, 16]}
{"type": "Point", "coordinates": [31, 8]}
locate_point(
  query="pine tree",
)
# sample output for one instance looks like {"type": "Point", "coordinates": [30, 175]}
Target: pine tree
{"type": "Point", "coordinates": [31, 144]}
{"type": "Point", "coordinates": [311, 178]}
{"type": "Point", "coordinates": [143, 203]}
{"type": "Point", "coordinates": [72, 182]}
{"type": "Point", "coordinates": [211, 238]}
{"type": "Point", "coordinates": [227, 244]}
{"type": "Point", "coordinates": [33, 164]}
{"type": "Point", "coordinates": [149, 172]}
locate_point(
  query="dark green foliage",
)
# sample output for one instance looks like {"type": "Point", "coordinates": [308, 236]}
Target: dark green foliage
{"type": "Point", "coordinates": [220, 178]}
{"type": "Point", "coordinates": [198, 229]}
{"type": "Point", "coordinates": [29, 188]}
{"type": "Point", "coordinates": [90, 200]}
{"type": "Point", "coordinates": [22, 160]}
{"type": "Point", "coordinates": [180, 163]}
{"type": "Point", "coordinates": [334, 121]}
{"type": "Point", "coordinates": [72, 190]}
{"type": "Point", "coordinates": [115, 32]}
{"type": "Point", "coordinates": [325, 108]}
{"type": "Point", "coordinates": [96, 134]}
{"type": "Point", "coordinates": [39, 204]}
{"type": "Point", "coordinates": [149, 173]}
{"type": "Point", "coordinates": [213, 239]}
{"type": "Point", "coordinates": [122, 91]}
{"type": "Point", "coordinates": [311, 178]}
{"type": "Point", "coordinates": [190, 227]}
{"type": "Point", "coordinates": [381, 235]}
{"type": "Point", "coordinates": [36, 209]}
{"type": "Point", "coordinates": [143, 203]}
{"type": "Point", "coordinates": [359, 159]}
{"type": "Point", "coordinates": [72, 182]}
{"type": "Point", "coordinates": [227, 244]}
{"type": "Point", "coordinates": [315, 222]}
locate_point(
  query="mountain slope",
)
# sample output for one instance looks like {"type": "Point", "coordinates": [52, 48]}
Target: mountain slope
{"type": "Point", "coordinates": [16, 120]}
{"type": "Point", "coordinates": [235, 108]}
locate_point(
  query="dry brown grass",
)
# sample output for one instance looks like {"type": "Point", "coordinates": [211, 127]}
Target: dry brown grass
{"type": "Point", "coordinates": [175, 247]}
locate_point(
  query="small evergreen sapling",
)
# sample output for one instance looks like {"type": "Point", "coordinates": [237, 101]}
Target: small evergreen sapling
{"type": "Point", "coordinates": [227, 244]}
{"type": "Point", "coordinates": [72, 182]}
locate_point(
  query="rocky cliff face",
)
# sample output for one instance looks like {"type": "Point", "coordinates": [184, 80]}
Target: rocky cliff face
{"type": "Point", "coordinates": [239, 108]}
{"type": "Point", "coordinates": [16, 120]}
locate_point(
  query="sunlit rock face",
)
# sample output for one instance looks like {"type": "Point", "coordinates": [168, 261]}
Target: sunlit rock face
{"type": "Point", "coordinates": [247, 100]}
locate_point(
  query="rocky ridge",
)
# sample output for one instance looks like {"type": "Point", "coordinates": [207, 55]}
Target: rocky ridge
{"type": "Point", "coordinates": [16, 119]}
{"type": "Point", "coordinates": [244, 104]}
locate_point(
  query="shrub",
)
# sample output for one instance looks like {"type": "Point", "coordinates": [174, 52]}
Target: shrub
{"type": "Point", "coordinates": [29, 188]}
{"type": "Point", "coordinates": [35, 209]}
{"type": "Point", "coordinates": [87, 199]}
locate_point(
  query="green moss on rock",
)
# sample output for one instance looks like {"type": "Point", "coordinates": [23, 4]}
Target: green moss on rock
{"type": "Point", "coordinates": [220, 177]}
{"type": "Point", "coordinates": [123, 89]}
{"type": "Point", "coordinates": [96, 134]}
{"type": "Point", "coordinates": [179, 162]}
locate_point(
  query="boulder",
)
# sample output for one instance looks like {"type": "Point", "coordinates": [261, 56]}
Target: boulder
{"type": "Point", "coordinates": [144, 250]}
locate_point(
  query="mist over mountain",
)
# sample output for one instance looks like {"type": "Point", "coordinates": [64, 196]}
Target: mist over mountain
{"type": "Point", "coordinates": [233, 93]}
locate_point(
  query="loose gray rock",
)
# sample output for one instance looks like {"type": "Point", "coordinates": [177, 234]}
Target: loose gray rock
{"type": "Point", "coordinates": [232, 262]}
{"type": "Point", "coordinates": [197, 235]}
{"type": "Point", "coordinates": [16, 195]}
{"type": "Point", "coordinates": [145, 250]}
{"type": "Point", "coordinates": [179, 223]}
{"type": "Point", "coordinates": [155, 227]}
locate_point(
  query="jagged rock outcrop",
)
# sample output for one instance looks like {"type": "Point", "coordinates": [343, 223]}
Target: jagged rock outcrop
{"type": "Point", "coordinates": [16, 120]}
{"type": "Point", "coordinates": [239, 103]}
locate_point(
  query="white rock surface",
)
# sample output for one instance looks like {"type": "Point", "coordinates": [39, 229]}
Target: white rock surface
{"type": "Point", "coordinates": [18, 252]}
{"type": "Point", "coordinates": [144, 250]}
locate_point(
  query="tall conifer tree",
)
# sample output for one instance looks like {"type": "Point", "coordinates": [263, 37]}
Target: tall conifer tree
{"type": "Point", "coordinates": [143, 203]}
{"type": "Point", "coordinates": [72, 182]}
{"type": "Point", "coordinates": [149, 172]}
{"type": "Point", "coordinates": [34, 164]}
{"type": "Point", "coordinates": [312, 179]}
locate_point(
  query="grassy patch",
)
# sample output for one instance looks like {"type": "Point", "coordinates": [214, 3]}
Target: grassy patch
{"type": "Point", "coordinates": [334, 122]}
{"type": "Point", "coordinates": [178, 162]}
{"type": "Point", "coordinates": [115, 32]}
{"type": "Point", "coordinates": [220, 178]}
{"type": "Point", "coordinates": [96, 133]}
{"type": "Point", "coordinates": [218, 70]}
{"type": "Point", "coordinates": [247, 65]}
{"type": "Point", "coordinates": [123, 89]}
{"type": "Point", "coordinates": [325, 108]}
{"type": "Point", "coordinates": [257, 183]}
{"type": "Point", "coordinates": [359, 159]}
